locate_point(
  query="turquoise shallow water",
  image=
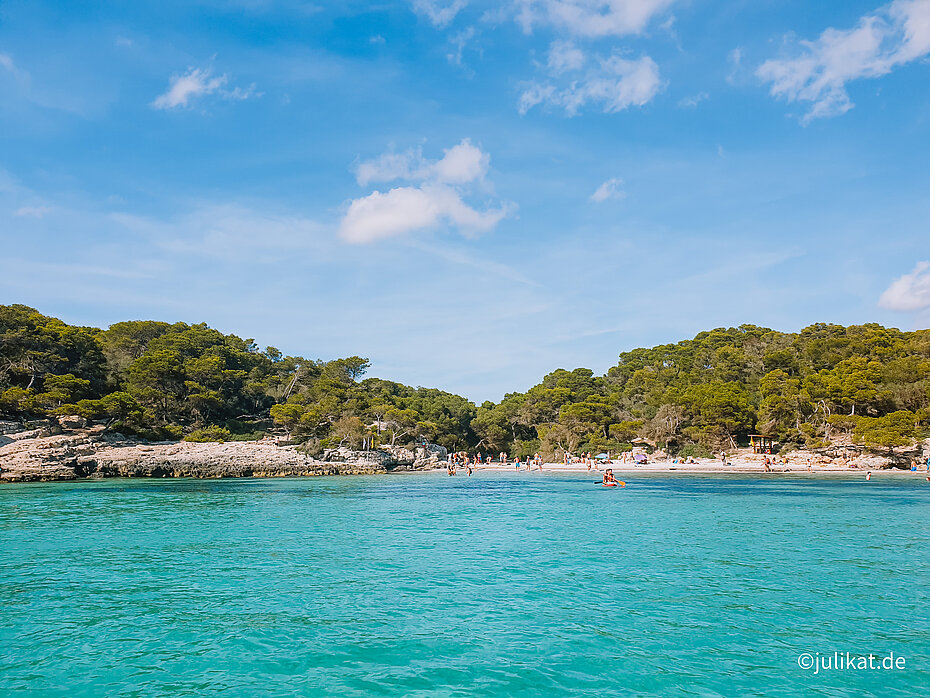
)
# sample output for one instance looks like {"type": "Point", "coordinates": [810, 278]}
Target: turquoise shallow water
{"type": "Point", "coordinates": [498, 584]}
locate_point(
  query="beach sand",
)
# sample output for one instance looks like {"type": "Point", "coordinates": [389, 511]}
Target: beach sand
{"type": "Point", "coordinates": [736, 464]}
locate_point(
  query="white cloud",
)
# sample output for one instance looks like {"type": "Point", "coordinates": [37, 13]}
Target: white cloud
{"type": "Point", "coordinates": [406, 209]}
{"type": "Point", "coordinates": [389, 166]}
{"type": "Point", "coordinates": [591, 18]}
{"type": "Point", "coordinates": [460, 164]}
{"type": "Point", "coordinates": [440, 13]}
{"type": "Point", "coordinates": [437, 201]}
{"type": "Point", "coordinates": [576, 80]}
{"type": "Point", "coordinates": [615, 84]}
{"type": "Point", "coordinates": [911, 292]}
{"type": "Point", "coordinates": [198, 82]}
{"type": "Point", "coordinates": [564, 56]}
{"type": "Point", "coordinates": [6, 61]}
{"type": "Point", "coordinates": [895, 34]}
{"type": "Point", "coordinates": [609, 190]}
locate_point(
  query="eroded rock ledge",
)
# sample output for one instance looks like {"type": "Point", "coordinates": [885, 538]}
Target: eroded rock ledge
{"type": "Point", "coordinates": [66, 451]}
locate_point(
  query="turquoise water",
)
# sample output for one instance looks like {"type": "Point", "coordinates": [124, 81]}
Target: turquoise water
{"type": "Point", "coordinates": [499, 584]}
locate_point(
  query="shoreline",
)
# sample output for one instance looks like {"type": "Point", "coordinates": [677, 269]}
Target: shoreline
{"type": "Point", "coordinates": [75, 454]}
{"type": "Point", "coordinates": [737, 468]}
{"type": "Point", "coordinates": [61, 454]}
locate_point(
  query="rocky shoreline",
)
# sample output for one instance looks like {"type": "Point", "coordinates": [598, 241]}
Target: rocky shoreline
{"type": "Point", "coordinates": [68, 451]}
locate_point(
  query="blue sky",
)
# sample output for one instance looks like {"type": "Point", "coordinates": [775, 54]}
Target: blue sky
{"type": "Point", "coordinates": [471, 194]}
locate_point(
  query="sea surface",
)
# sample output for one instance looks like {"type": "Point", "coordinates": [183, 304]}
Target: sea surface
{"type": "Point", "coordinates": [499, 584]}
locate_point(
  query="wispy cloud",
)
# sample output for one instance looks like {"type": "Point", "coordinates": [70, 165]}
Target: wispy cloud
{"type": "Point", "coordinates": [611, 189]}
{"type": "Point", "coordinates": [692, 101]}
{"type": "Point", "coordinates": [735, 61]}
{"type": "Point", "coordinates": [199, 82]}
{"type": "Point", "coordinates": [32, 211]}
{"type": "Point", "coordinates": [613, 84]}
{"type": "Point", "coordinates": [459, 42]}
{"type": "Point", "coordinates": [591, 18]}
{"type": "Point", "coordinates": [231, 232]}
{"type": "Point", "coordinates": [439, 12]}
{"type": "Point", "coordinates": [819, 71]}
{"type": "Point", "coordinates": [437, 201]}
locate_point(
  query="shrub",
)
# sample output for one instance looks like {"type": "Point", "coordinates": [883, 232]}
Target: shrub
{"type": "Point", "coordinates": [211, 433]}
{"type": "Point", "coordinates": [248, 436]}
{"type": "Point", "coordinates": [694, 451]}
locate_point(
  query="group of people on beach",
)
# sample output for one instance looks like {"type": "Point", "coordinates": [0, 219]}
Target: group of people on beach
{"type": "Point", "coordinates": [462, 458]}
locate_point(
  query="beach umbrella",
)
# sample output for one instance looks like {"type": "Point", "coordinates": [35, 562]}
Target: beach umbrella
{"type": "Point", "coordinates": [640, 457]}
{"type": "Point", "coordinates": [601, 456]}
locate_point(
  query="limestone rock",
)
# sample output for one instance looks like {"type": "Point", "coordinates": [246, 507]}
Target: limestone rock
{"type": "Point", "coordinates": [345, 455]}
{"type": "Point", "coordinates": [402, 456]}
{"type": "Point", "coordinates": [72, 421]}
{"type": "Point", "coordinates": [429, 456]}
{"type": "Point", "coordinates": [94, 454]}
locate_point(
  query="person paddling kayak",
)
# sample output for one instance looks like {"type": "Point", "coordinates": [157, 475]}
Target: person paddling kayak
{"type": "Point", "coordinates": [609, 479]}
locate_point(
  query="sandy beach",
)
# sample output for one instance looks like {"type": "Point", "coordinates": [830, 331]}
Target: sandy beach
{"type": "Point", "coordinates": [803, 462]}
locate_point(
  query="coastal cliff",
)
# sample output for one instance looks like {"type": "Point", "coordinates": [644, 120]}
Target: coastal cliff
{"type": "Point", "coordinates": [68, 450]}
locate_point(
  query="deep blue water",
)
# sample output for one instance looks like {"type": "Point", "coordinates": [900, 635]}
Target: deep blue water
{"type": "Point", "coordinates": [499, 584]}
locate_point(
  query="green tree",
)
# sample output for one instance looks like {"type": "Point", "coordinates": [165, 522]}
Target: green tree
{"type": "Point", "coordinates": [889, 431]}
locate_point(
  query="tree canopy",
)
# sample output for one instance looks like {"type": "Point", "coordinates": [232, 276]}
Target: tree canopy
{"type": "Point", "coordinates": [163, 380]}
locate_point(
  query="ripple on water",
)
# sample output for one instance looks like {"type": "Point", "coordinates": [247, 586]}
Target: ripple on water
{"type": "Point", "coordinates": [429, 585]}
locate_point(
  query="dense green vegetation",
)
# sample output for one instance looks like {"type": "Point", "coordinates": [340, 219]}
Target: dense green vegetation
{"type": "Point", "coordinates": [162, 380]}
{"type": "Point", "coordinates": [870, 382]}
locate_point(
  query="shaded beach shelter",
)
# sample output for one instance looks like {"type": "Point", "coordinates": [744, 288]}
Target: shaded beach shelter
{"type": "Point", "coordinates": [761, 443]}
